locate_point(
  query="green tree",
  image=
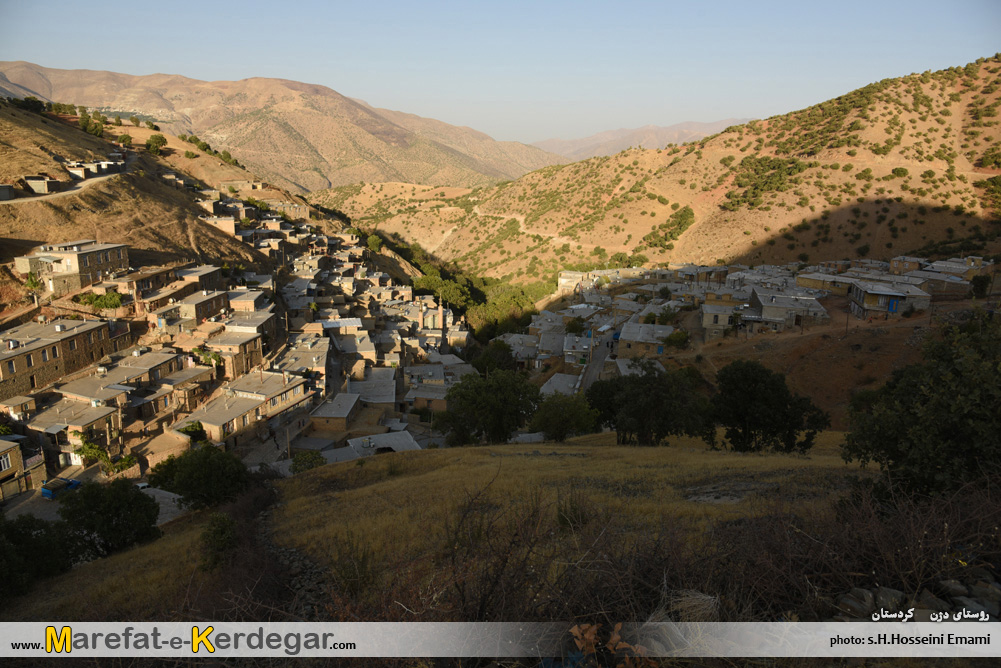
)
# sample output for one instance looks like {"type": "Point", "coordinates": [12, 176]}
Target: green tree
{"type": "Point", "coordinates": [978, 284]}
{"type": "Point", "coordinates": [190, 155]}
{"type": "Point", "coordinates": [758, 411]}
{"type": "Point", "coordinates": [34, 286]}
{"type": "Point", "coordinates": [306, 460]}
{"type": "Point", "coordinates": [31, 548]}
{"type": "Point", "coordinates": [576, 325]}
{"type": "Point", "coordinates": [118, 121]}
{"type": "Point", "coordinates": [560, 416]}
{"type": "Point", "coordinates": [374, 243]}
{"type": "Point", "coordinates": [935, 426]}
{"type": "Point", "coordinates": [134, 120]}
{"type": "Point", "coordinates": [84, 121]}
{"type": "Point", "coordinates": [155, 143]}
{"type": "Point", "coordinates": [648, 407]}
{"type": "Point", "coordinates": [109, 518]}
{"type": "Point", "coordinates": [495, 355]}
{"type": "Point", "coordinates": [218, 539]}
{"type": "Point", "coordinates": [125, 140]}
{"type": "Point", "coordinates": [490, 408]}
{"type": "Point", "coordinates": [203, 476]}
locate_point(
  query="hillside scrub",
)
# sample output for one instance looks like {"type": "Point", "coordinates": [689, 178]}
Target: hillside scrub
{"type": "Point", "coordinates": [935, 427]}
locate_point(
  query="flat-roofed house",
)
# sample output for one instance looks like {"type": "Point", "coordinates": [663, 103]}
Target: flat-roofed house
{"type": "Point", "coordinates": [337, 413]}
{"type": "Point", "coordinates": [35, 355]}
{"type": "Point", "coordinates": [61, 428]}
{"type": "Point", "coordinates": [73, 265]}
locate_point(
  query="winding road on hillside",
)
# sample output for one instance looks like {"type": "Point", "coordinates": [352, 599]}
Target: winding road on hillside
{"type": "Point", "coordinates": [75, 189]}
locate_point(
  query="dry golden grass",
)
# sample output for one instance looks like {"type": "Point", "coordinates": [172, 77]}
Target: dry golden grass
{"type": "Point", "coordinates": [148, 582]}
{"type": "Point", "coordinates": [393, 504]}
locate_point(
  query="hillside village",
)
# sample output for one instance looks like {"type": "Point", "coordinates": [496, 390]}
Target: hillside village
{"type": "Point", "coordinates": [330, 354]}
{"type": "Point", "coordinates": [159, 303]}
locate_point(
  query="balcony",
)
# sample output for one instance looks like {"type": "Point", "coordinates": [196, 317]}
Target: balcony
{"type": "Point", "coordinates": [34, 460]}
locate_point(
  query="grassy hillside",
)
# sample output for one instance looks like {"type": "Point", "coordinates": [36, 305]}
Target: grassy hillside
{"type": "Point", "coordinates": [392, 508]}
{"type": "Point", "coordinates": [888, 169]}
{"type": "Point", "coordinates": [582, 531]}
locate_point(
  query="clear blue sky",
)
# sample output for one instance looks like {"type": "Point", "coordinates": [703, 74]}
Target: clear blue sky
{"type": "Point", "coordinates": [517, 70]}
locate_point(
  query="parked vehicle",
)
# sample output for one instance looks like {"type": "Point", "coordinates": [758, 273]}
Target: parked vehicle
{"type": "Point", "coordinates": [53, 488]}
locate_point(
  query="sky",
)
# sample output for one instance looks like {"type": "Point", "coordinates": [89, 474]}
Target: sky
{"type": "Point", "coordinates": [523, 71]}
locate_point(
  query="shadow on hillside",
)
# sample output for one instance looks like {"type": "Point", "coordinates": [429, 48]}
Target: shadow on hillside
{"type": "Point", "coordinates": [876, 229]}
{"type": "Point", "coordinates": [11, 248]}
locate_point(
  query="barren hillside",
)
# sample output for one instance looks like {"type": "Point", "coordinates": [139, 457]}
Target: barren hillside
{"type": "Point", "coordinates": [160, 222]}
{"type": "Point", "coordinates": [298, 135]}
{"type": "Point", "coordinates": [884, 170]}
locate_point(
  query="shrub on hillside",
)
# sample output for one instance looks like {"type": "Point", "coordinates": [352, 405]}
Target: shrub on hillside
{"type": "Point", "coordinates": [203, 476]}
{"type": "Point", "coordinates": [935, 426]}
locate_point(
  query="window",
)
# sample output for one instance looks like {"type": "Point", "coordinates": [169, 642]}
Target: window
{"type": "Point", "coordinates": [55, 352]}
{"type": "Point", "coordinates": [45, 355]}
{"type": "Point", "coordinates": [11, 367]}
{"type": "Point", "coordinates": [31, 381]}
{"type": "Point", "coordinates": [29, 361]}
{"type": "Point", "coordinates": [274, 401]}
{"type": "Point", "coordinates": [90, 337]}
{"type": "Point", "coordinates": [5, 462]}
{"type": "Point", "coordinates": [715, 319]}
{"type": "Point", "coordinates": [119, 253]}
{"type": "Point", "coordinates": [72, 344]}
{"type": "Point", "coordinates": [246, 420]}
{"type": "Point", "coordinates": [297, 390]}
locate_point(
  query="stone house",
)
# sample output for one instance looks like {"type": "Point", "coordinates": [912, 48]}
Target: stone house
{"type": "Point", "coordinates": [35, 355]}
{"type": "Point", "coordinates": [72, 266]}
{"type": "Point", "coordinates": [641, 340]}
{"type": "Point", "coordinates": [60, 429]}
{"type": "Point", "coordinates": [21, 467]}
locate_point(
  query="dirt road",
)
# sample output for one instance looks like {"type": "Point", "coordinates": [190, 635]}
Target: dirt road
{"type": "Point", "coordinates": [76, 188]}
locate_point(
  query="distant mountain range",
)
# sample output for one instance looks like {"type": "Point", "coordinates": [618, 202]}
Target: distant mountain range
{"type": "Point", "coordinates": [301, 136]}
{"type": "Point", "coordinates": [648, 136]}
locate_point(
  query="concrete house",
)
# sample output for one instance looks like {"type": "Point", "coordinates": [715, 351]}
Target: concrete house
{"type": "Point", "coordinates": [717, 319]}
{"type": "Point", "coordinates": [874, 300]}
{"type": "Point", "coordinates": [280, 393]}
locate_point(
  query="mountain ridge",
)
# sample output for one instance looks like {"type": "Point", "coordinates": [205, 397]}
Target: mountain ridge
{"type": "Point", "coordinates": [299, 135]}
{"type": "Point", "coordinates": [611, 142]}
{"type": "Point", "coordinates": [892, 168]}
